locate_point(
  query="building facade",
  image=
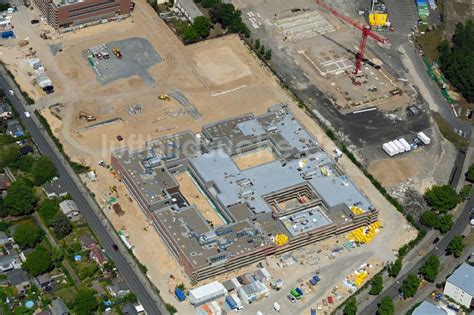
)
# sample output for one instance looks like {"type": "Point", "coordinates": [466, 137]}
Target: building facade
{"type": "Point", "coordinates": [460, 285]}
{"type": "Point", "coordinates": [61, 14]}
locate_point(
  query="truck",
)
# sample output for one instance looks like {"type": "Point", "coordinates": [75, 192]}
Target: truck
{"type": "Point", "coordinates": [405, 144]}
{"type": "Point", "coordinates": [234, 302]}
{"type": "Point", "coordinates": [277, 284]}
{"type": "Point", "coordinates": [388, 149]}
{"type": "Point", "coordinates": [423, 137]}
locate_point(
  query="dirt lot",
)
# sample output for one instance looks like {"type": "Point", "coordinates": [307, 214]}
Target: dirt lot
{"type": "Point", "coordinates": [195, 197]}
{"type": "Point", "coordinates": [254, 158]}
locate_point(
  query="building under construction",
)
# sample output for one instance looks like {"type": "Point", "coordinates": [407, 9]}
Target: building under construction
{"type": "Point", "coordinates": [297, 198]}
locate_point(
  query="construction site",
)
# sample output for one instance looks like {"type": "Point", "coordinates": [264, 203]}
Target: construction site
{"type": "Point", "coordinates": [120, 87]}
{"type": "Point", "coordinates": [297, 199]}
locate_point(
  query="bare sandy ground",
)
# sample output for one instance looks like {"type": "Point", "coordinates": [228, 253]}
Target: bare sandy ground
{"type": "Point", "coordinates": [254, 158]}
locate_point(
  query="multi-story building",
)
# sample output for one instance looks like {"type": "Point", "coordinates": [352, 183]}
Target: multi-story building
{"type": "Point", "coordinates": [460, 286]}
{"type": "Point", "coordinates": [61, 13]}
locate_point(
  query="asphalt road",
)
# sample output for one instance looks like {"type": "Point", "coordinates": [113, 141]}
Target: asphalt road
{"type": "Point", "coordinates": [125, 264]}
{"type": "Point", "coordinates": [394, 290]}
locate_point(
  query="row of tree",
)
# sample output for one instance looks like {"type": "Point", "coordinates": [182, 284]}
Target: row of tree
{"type": "Point", "coordinates": [261, 51]}
{"type": "Point", "coordinates": [54, 218]}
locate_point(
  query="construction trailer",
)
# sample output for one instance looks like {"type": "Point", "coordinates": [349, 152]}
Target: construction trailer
{"type": "Point", "coordinates": [424, 138]}
{"type": "Point", "coordinates": [206, 293]}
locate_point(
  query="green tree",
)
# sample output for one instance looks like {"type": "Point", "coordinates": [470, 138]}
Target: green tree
{"type": "Point", "coordinates": [209, 3]}
{"type": "Point", "coordinates": [27, 235]}
{"type": "Point", "coordinates": [39, 261]}
{"type": "Point", "coordinates": [377, 285]}
{"type": "Point", "coordinates": [257, 44]}
{"type": "Point", "coordinates": [350, 308]}
{"type": "Point", "coordinates": [262, 50]}
{"type": "Point", "coordinates": [410, 285]}
{"type": "Point", "coordinates": [395, 267]}
{"type": "Point", "coordinates": [457, 60]}
{"type": "Point", "coordinates": [85, 302]}
{"type": "Point", "coordinates": [43, 170]}
{"type": "Point", "coordinates": [470, 174]}
{"type": "Point", "coordinates": [465, 192]}
{"type": "Point", "coordinates": [456, 246]}
{"type": "Point", "coordinates": [430, 268]}
{"type": "Point", "coordinates": [10, 156]}
{"type": "Point", "coordinates": [61, 225]}
{"type": "Point", "coordinates": [189, 35]}
{"type": "Point", "coordinates": [442, 198]}
{"type": "Point", "coordinates": [25, 163]}
{"type": "Point", "coordinates": [202, 25]}
{"type": "Point", "coordinates": [268, 54]}
{"type": "Point", "coordinates": [445, 223]}
{"type": "Point", "coordinates": [429, 218]}
{"type": "Point", "coordinates": [386, 306]}
{"type": "Point", "coordinates": [48, 210]}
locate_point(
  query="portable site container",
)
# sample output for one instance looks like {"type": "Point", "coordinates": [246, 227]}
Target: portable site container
{"type": "Point", "coordinates": [388, 149]}
{"type": "Point", "coordinates": [295, 293]}
{"type": "Point", "coordinates": [300, 292]}
{"type": "Point", "coordinates": [405, 144]}
{"type": "Point", "coordinates": [400, 147]}
{"type": "Point", "coordinates": [394, 147]}
{"type": "Point", "coordinates": [424, 138]}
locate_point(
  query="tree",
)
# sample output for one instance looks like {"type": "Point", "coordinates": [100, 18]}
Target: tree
{"type": "Point", "coordinates": [85, 302]}
{"type": "Point", "coordinates": [61, 225]}
{"type": "Point", "coordinates": [410, 285]}
{"type": "Point", "coordinates": [257, 44]}
{"type": "Point", "coordinates": [445, 223]}
{"type": "Point", "coordinates": [48, 210]}
{"type": "Point", "coordinates": [377, 285]}
{"type": "Point", "coordinates": [38, 262]}
{"type": "Point", "coordinates": [25, 163]}
{"type": "Point", "coordinates": [350, 307]}
{"type": "Point", "coordinates": [202, 25]}
{"type": "Point", "coordinates": [457, 61]}
{"type": "Point", "coordinates": [442, 198]}
{"type": "Point", "coordinates": [27, 235]}
{"type": "Point", "coordinates": [442, 223]}
{"type": "Point", "coordinates": [456, 246]}
{"type": "Point", "coordinates": [10, 156]}
{"type": "Point", "coordinates": [429, 218]}
{"type": "Point", "coordinates": [262, 50]}
{"type": "Point", "coordinates": [20, 198]}
{"type": "Point", "coordinates": [189, 35]}
{"type": "Point", "coordinates": [470, 174]}
{"type": "Point", "coordinates": [209, 3]}
{"type": "Point", "coordinates": [386, 306]}
{"type": "Point", "coordinates": [465, 192]}
{"type": "Point", "coordinates": [430, 268]}
{"type": "Point", "coordinates": [395, 267]}
{"type": "Point", "coordinates": [268, 54]}
{"type": "Point", "coordinates": [43, 170]}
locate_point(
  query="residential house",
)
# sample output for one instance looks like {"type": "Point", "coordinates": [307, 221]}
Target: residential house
{"type": "Point", "coordinates": [69, 208]}
{"type": "Point", "coordinates": [58, 307]}
{"type": "Point", "coordinates": [54, 189]}
{"type": "Point", "coordinates": [27, 149]}
{"type": "Point", "coordinates": [4, 239]}
{"type": "Point", "coordinates": [97, 256]}
{"type": "Point", "coordinates": [20, 280]}
{"type": "Point", "coordinates": [128, 309]}
{"type": "Point", "coordinates": [460, 285]}
{"type": "Point", "coordinates": [188, 9]}
{"type": "Point", "coordinates": [5, 182]}
{"type": "Point", "coordinates": [5, 111]}
{"type": "Point", "coordinates": [9, 262]}
{"type": "Point", "coordinates": [87, 242]}
{"type": "Point", "coordinates": [14, 129]}
{"type": "Point", "coordinates": [118, 288]}
{"type": "Point", "coordinates": [44, 281]}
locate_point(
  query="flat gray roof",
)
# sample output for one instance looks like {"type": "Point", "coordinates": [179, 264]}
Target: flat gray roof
{"type": "Point", "coordinates": [463, 278]}
{"type": "Point", "coordinates": [305, 221]}
{"type": "Point", "coordinates": [428, 308]}
{"type": "Point", "coordinates": [190, 7]}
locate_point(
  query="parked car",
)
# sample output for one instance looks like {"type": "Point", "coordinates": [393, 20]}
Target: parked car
{"type": "Point", "coordinates": [291, 298]}
{"type": "Point", "coordinates": [11, 92]}
{"type": "Point", "coordinates": [35, 21]}
{"type": "Point", "coordinates": [436, 240]}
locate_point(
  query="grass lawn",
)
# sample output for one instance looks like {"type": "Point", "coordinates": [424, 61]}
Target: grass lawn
{"type": "Point", "coordinates": [429, 42]}
{"type": "Point", "coordinates": [448, 132]}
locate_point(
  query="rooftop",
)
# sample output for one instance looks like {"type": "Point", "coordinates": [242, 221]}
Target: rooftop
{"type": "Point", "coordinates": [428, 308]}
{"type": "Point", "coordinates": [463, 278]}
{"type": "Point", "coordinates": [190, 7]}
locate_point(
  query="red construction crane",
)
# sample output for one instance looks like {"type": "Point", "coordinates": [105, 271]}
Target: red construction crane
{"type": "Point", "coordinates": [365, 33]}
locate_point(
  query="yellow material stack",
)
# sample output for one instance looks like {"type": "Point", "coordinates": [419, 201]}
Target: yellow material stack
{"type": "Point", "coordinates": [281, 239]}
{"type": "Point", "coordinates": [364, 235]}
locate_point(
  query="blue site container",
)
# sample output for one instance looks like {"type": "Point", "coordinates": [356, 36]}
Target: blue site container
{"type": "Point", "coordinates": [8, 34]}
{"type": "Point", "coordinates": [316, 278]}
{"type": "Point", "coordinates": [300, 292]}
{"type": "Point", "coordinates": [180, 294]}
{"type": "Point", "coordinates": [312, 281]}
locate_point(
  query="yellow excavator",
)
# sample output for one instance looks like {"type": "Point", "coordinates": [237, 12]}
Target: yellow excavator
{"type": "Point", "coordinates": [87, 116]}
{"type": "Point", "coordinates": [164, 97]}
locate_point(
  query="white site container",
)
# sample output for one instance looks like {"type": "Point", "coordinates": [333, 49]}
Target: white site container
{"type": "Point", "coordinates": [424, 138]}
{"type": "Point", "coordinates": [400, 146]}
{"type": "Point", "coordinates": [405, 144]}
{"type": "Point", "coordinates": [394, 146]}
{"type": "Point", "coordinates": [207, 293]}
{"type": "Point", "coordinates": [388, 149]}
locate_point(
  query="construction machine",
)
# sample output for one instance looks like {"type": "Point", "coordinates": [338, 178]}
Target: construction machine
{"type": "Point", "coordinates": [164, 97]}
{"type": "Point", "coordinates": [117, 53]}
{"type": "Point", "coordinates": [86, 116]}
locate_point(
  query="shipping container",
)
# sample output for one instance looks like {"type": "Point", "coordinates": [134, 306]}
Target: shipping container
{"type": "Point", "coordinates": [7, 34]}
{"type": "Point", "coordinates": [424, 138]}
{"type": "Point", "coordinates": [179, 294]}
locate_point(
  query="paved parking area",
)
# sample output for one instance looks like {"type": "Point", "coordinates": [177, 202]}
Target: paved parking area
{"type": "Point", "coordinates": [403, 15]}
{"type": "Point", "coordinates": [137, 56]}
